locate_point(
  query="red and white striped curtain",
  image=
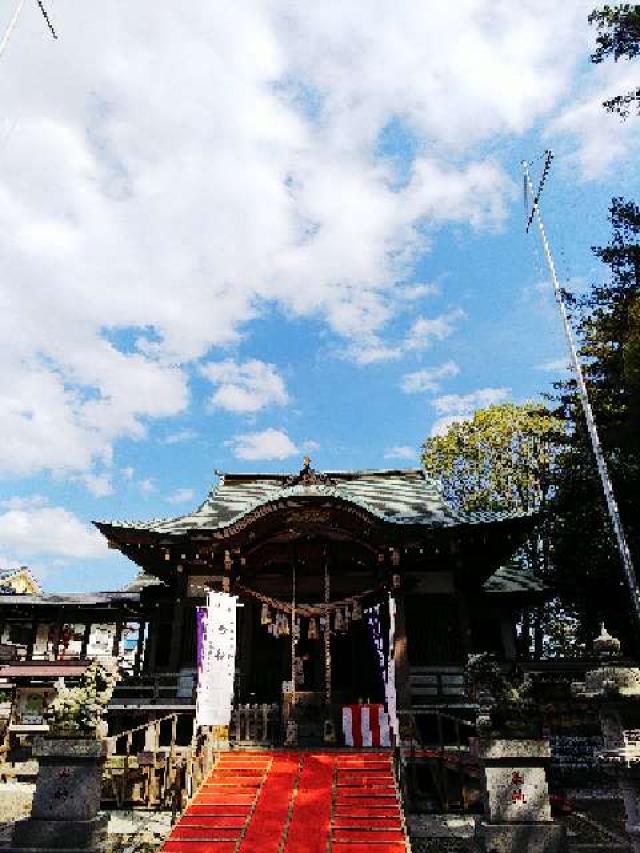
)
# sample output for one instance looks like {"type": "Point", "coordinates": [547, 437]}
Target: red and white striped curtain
{"type": "Point", "coordinates": [365, 725]}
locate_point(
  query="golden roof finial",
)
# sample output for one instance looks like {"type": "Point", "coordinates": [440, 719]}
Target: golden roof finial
{"type": "Point", "coordinates": [306, 462]}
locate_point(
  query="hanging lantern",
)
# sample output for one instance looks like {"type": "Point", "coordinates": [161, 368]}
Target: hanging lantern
{"type": "Point", "coordinates": [312, 632]}
{"type": "Point", "coordinates": [357, 611]}
{"type": "Point", "coordinates": [265, 616]}
{"type": "Point", "coordinates": [339, 622]}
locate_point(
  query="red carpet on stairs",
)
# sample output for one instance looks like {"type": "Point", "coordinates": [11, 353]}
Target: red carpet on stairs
{"type": "Point", "coordinates": [294, 802]}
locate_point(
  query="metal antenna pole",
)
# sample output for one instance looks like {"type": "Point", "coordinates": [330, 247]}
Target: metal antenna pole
{"type": "Point", "coordinates": [11, 27]}
{"type": "Point", "coordinates": [612, 506]}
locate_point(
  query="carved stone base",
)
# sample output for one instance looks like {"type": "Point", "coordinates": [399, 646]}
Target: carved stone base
{"type": "Point", "coordinates": [66, 836]}
{"type": "Point", "coordinates": [511, 837]}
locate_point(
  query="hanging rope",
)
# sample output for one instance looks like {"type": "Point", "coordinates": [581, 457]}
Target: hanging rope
{"type": "Point", "coordinates": [612, 506]}
{"type": "Point", "coordinates": [12, 25]}
{"type": "Point", "coordinates": [307, 610]}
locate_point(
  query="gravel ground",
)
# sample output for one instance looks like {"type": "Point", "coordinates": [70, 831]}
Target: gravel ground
{"type": "Point", "coordinates": [15, 800]}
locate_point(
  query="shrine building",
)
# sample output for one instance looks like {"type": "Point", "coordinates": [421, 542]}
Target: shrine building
{"type": "Point", "coordinates": [318, 562]}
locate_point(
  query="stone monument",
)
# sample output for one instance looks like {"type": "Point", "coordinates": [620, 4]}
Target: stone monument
{"type": "Point", "coordinates": [516, 796]}
{"type": "Point", "coordinates": [513, 761]}
{"type": "Point", "coordinates": [64, 814]}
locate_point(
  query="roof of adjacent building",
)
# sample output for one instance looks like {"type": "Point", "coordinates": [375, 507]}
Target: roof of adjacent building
{"type": "Point", "coordinates": [18, 580]}
{"type": "Point", "coordinates": [397, 496]}
{"type": "Point", "coordinates": [82, 599]}
{"type": "Point", "coordinates": [45, 669]}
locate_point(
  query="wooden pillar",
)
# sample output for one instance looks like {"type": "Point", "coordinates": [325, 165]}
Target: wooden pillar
{"type": "Point", "coordinates": [402, 670]}
{"type": "Point", "coordinates": [175, 655]}
{"type": "Point", "coordinates": [57, 636]}
{"type": "Point", "coordinates": [32, 638]}
{"type": "Point", "coordinates": [245, 645]}
{"type": "Point", "coordinates": [137, 662]}
{"type": "Point", "coordinates": [151, 647]}
{"type": "Point", "coordinates": [86, 638]}
{"type": "Point", "coordinates": [115, 648]}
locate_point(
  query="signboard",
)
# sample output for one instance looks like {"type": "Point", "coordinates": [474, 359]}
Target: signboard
{"type": "Point", "coordinates": [517, 794]}
{"type": "Point", "coordinates": [216, 651]}
{"type": "Point", "coordinates": [386, 662]}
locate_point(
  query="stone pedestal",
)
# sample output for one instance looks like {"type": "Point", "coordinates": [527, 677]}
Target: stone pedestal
{"type": "Point", "coordinates": [621, 755]}
{"type": "Point", "coordinates": [64, 814]}
{"type": "Point", "coordinates": [510, 837]}
{"type": "Point", "coordinates": [516, 797]}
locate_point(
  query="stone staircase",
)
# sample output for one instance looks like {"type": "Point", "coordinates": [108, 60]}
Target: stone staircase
{"type": "Point", "coordinates": [295, 802]}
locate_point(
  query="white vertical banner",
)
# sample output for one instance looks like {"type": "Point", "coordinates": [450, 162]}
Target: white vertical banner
{"type": "Point", "coordinates": [390, 680]}
{"type": "Point", "coordinates": [216, 659]}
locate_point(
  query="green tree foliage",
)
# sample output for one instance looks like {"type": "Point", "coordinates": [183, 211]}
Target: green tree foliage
{"type": "Point", "coordinates": [503, 459]}
{"type": "Point", "coordinates": [618, 37]}
{"type": "Point", "coordinates": [587, 565]}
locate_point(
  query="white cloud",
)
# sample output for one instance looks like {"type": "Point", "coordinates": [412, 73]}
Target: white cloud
{"type": "Point", "coordinates": [181, 496]}
{"type": "Point", "coordinates": [401, 452]}
{"type": "Point", "coordinates": [425, 330]}
{"type": "Point", "coordinates": [428, 379]}
{"type": "Point", "coordinates": [247, 387]}
{"type": "Point", "coordinates": [421, 335]}
{"type": "Point", "coordinates": [555, 364]}
{"type": "Point", "coordinates": [99, 485]}
{"type": "Point", "coordinates": [128, 472]}
{"type": "Point", "coordinates": [147, 486]}
{"type": "Point", "coordinates": [453, 408]}
{"type": "Point", "coordinates": [24, 502]}
{"type": "Point", "coordinates": [49, 530]}
{"type": "Point", "coordinates": [247, 175]}
{"type": "Point", "coordinates": [268, 444]}
{"type": "Point", "coordinates": [592, 138]}
{"type": "Point", "coordinates": [180, 436]}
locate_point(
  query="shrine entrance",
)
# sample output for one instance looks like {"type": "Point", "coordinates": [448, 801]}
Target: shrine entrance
{"type": "Point", "coordinates": [314, 608]}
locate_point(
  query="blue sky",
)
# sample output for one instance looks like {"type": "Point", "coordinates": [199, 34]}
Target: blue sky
{"type": "Point", "coordinates": [233, 236]}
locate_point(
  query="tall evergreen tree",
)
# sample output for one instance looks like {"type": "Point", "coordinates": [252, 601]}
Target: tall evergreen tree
{"type": "Point", "coordinates": [588, 569]}
{"type": "Point", "coordinates": [618, 37]}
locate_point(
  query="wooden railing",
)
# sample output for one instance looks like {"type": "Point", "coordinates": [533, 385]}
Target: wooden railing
{"type": "Point", "coordinates": [167, 688]}
{"type": "Point", "coordinates": [440, 741]}
{"type": "Point", "coordinates": [140, 769]}
{"type": "Point", "coordinates": [255, 724]}
{"type": "Point", "coordinates": [431, 684]}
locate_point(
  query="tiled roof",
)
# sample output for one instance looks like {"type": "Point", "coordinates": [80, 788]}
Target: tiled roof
{"type": "Point", "coordinates": [397, 496]}
{"type": "Point", "coordinates": [73, 598]}
{"type": "Point", "coordinates": [514, 577]}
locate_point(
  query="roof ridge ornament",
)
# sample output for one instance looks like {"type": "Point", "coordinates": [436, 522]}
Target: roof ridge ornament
{"type": "Point", "coordinates": [308, 476]}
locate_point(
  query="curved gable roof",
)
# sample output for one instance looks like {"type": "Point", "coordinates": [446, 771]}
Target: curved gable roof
{"type": "Point", "coordinates": [397, 496]}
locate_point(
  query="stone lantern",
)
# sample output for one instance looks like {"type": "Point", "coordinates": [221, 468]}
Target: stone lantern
{"type": "Point", "coordinates": [615, 686]}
